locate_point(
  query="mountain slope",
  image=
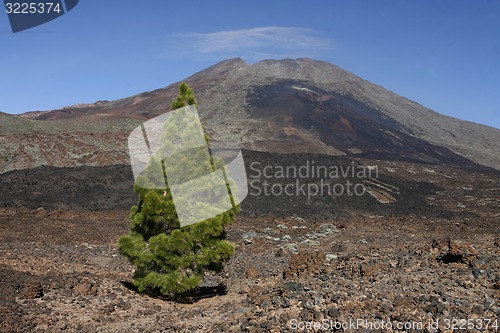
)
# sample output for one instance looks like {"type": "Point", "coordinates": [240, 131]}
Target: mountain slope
{"type": "Point", "coordinates": [298, 105]}
{"type": "Point", "coordinates": [476, 142]}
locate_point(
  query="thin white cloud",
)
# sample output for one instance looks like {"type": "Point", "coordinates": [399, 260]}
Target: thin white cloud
{"type": "Point", "coordinates": [254, 43]}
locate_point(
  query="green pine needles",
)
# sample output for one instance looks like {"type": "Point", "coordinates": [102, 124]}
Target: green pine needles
{"type": "Point", "coordinates": [169, 258]}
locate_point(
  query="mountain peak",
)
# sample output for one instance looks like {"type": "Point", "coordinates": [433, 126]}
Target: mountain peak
{"type": "Point", "coordinates": [222, 67]}
{"type": "Point", "coordinates": [296, 105]}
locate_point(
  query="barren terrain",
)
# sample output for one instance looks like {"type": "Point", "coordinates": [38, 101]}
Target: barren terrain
{"type": "Point", "coordinates": [433, 254]}
{"type": "Point", "coordinates": [418, 247]}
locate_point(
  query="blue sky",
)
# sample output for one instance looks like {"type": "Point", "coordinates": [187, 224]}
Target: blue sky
{"type": "Point", "coordinates": [442, 54]}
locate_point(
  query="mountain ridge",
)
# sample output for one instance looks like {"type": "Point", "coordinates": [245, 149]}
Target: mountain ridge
{"type": "Point", "coordinates": [227, 94]}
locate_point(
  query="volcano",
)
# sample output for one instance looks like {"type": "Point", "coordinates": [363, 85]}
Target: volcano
{"type": "Point", "coordinates": [285, 106]}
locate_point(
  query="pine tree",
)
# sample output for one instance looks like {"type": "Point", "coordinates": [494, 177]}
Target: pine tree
{"type": "Point", "coordinates": [169, 258]}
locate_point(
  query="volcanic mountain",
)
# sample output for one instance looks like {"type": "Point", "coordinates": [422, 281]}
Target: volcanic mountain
{"type": "Point", "coordinates": [420, 245]}
{"type": "Point", "coordinates": [284, 106]}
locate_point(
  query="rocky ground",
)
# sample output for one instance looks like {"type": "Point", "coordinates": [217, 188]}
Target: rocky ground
{"type": "Point", "coordinates": [60, 272]}
{"type": "Point", "coordinates": [431, 256]}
